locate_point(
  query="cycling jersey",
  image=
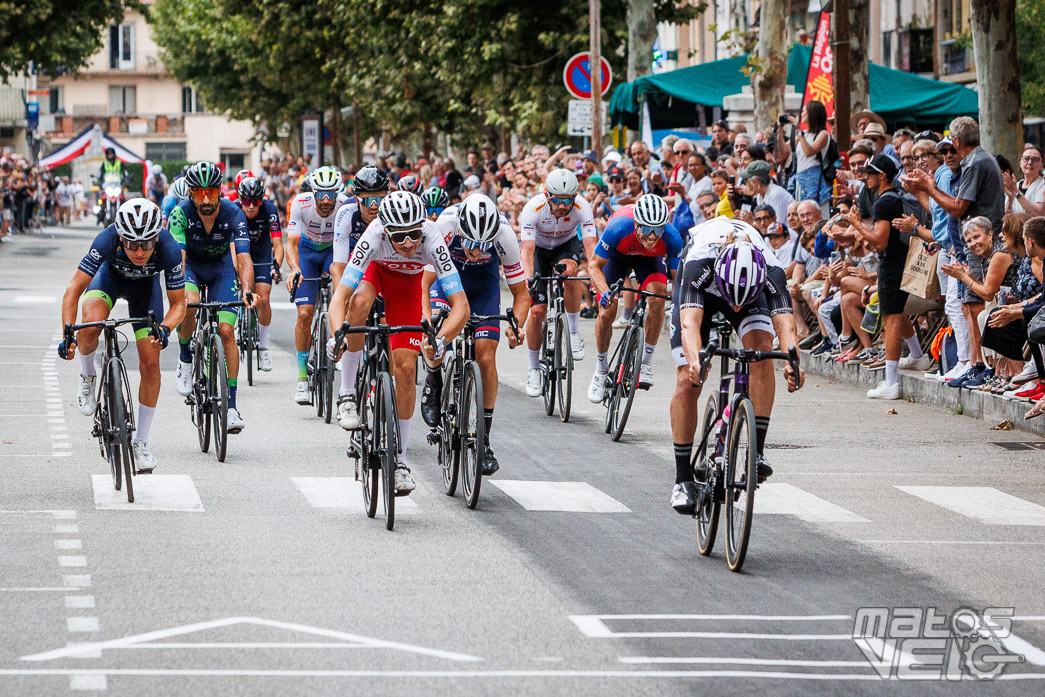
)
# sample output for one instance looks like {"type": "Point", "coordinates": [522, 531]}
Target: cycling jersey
{"type": "Point", "coordinates": [374, 246]}
{"type": "Point", "coordinates": [262, 229]}
{"type": "Point", "coordinates": [620, 239]}
{"type": "Point", "coordinates": [348, 228]}
{"type": "Point", "coordinates": [230, 227]}
{"type": "Point", "coordinates": [305, 221]}
{"type": "Point", "coordinates": [168, 204]}
{"type": "Point", "coordinates": [547, 231]}
{"type": "Point", "coordinates": [708, 239]}
{"type": "Point", "coordinates": [107, 249]}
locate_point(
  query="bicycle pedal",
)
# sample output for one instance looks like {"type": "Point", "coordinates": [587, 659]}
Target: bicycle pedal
{"type": "Point", "coordinates": [433, 437]}
{"type": "Point", "coordinates": [190, 401]}
{"type": "Point", "coordinates": [96, 432]}
{"type": "Point", "coordinates": [402, 493]}
{"type": "Point", "coordinates": [138, 470]}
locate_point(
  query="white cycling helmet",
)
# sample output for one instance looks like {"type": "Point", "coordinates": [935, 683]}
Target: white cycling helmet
{"type": "Point", "coordinates": [651, 211]}
{"type": "Point", "coordinates": [561, 182]}
{"type": "Point", "coordinates": [326, 179]}
{"type": "Point", "coordinates": [478, 219]}
{"type": "Point", "coordinates": [401, 210]}
{"type": "Point", "coordinates": [158, 169]}
{"type": "Point", "coordinates": [180, 188]}
{"type": "Point", "coordinates": [138, 220]}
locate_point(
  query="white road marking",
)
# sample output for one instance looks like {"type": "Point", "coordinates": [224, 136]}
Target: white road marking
{"type": "Point", "coordinates": [950, 542]}
{"type": "Point", "coordinates": [594, 627]}
{"type": "Point", "coordinates": [573, 497]}
{"type": "Point", "coordinates": [68, 544]}
{"type": "Point", "coordinates": [77, 581]}
{"type": "Point", "coordinates": [79, 601]}
{"type": "Point", "coordinates": [661, 660]}
{"type": "Point", "coordinates": [88, 683]}
{"type": "Point", "coordinates": [1032, 653]}
{"type": "Point", "coordinates": [983, 503]}
{"type": "Point", "coordinates": [153, 492]}
{"type": "Point", "coordinates": [36, 299]}
{"type": "Point", "coordinates": [32, 590]}
{"type": "Point", "coordinates": [342, 493]}
{"type": "Point", "coordinates": [66, 529]}
{"type": "Point", "coordinates": [82, 624]}
{"type": "Point", "coordinates": [72, 561]}
{"type": "Point", "coordinates": [787, 499]}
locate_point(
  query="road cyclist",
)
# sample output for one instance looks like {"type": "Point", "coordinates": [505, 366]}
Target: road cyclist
{"type": "Point", "coordinates": [266, 252]}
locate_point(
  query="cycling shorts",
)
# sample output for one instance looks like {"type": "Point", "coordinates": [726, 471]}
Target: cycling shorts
{"type": "Point", "coordinates": [402, 295]}
{"type": "Point", "coordinates": [314, 263]}
{"type": "Point", "coordinates": [749, 318]}
{"type": "Point", "coordinates": [261, 255]}
{"type": "Point", "coordinates": [141, 294]}
{"type": "Point", "coordinates": [484, 297]}
{"type": "Point", "coordinates": [545, 261]}
{"type": "Point", "coordinates": [647, 269]}
{"type": "Point", "coordinates": [219, 278]}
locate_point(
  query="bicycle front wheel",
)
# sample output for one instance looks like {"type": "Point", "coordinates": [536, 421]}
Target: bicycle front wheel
{"type": "Point", "coordinates": [627, 379]}
{"type": "Point", "coordinates": [387, 441]}
{"type": "Point", "coordinates": [324, 373]}
{"type": "Point", "coordinates": [448, 459]}
{"type": "Point", "coordinates": [548, 370]}
{"type": "Point", "coordinates": [741, 481]}
{"type": "Point", "coordinates": [218, 389]}
{"type": "Point", "coordinates": [113, 420]}
{"type": "Point", "coordinates": [563, 366]}
{"type": "Point", "coordinates": [368, 474]}
{"type": "Point", "coordinates": [201, 406]}
{"type": "Point", "coordinates": [709, 507]}
{"type": "Point", "coordinates": [472, 433]}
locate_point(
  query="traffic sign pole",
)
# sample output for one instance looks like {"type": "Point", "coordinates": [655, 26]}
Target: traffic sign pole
{"type": "Point", "coordinates": [595, 29]}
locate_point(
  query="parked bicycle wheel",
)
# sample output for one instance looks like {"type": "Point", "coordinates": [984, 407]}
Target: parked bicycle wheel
{"type": "Point", "coordinates": [627, 383]}
{"type": "Point", "coordinates": [563, 366]}
{"type": "Point", "coordinates": [741, 481]}
{"type": "Point", "coordinates": [708, 511]}
{"type": "Point", "coordinates": [219, 391]}
{"type": "Point", "coordinates": [449, 459]}
{"type": "Point", "coordinates": [201, 406]}
{"type": "Point", "coordinates": [387, 443]}
{"type": "Point", "coordinates": [472, 431]}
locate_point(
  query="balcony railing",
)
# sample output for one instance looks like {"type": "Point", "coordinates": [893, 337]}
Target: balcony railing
{"type": "Point", "coordinates": [12, 107]}
{"type": "Point", "coordinates": [67, 125]}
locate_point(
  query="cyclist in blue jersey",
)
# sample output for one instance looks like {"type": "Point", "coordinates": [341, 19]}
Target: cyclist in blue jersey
{"type": "Point", "coordinates": [125, 261]}
{"type": "Point", "coordinates": [481, 242]}
{"type": "Point", "coordinates": [639, 239]}
{"type": "Point", "coordinates": [178, 192]}
{"type": "Point", "coordinates": [208, 228]}
{"type": "Point", "coordinates": [266, 251]}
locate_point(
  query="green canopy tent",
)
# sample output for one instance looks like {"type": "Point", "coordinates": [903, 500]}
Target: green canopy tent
{"type": "Point", "coordinates": [675, 96]}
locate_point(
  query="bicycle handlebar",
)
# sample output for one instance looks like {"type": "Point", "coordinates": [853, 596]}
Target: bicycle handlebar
{"type": "Point", "coordinates": [619, 286]}
{"type": "Point", "coordinates": [324, 279]}
{"type": "Point", "coordinates": [151, 320]}
{"type": "Point", "coordinates": [219, 305]}
{"type": "Point", "coordinates": [747, 356]}
{"type": "Point", "coordinates": [383, 329]}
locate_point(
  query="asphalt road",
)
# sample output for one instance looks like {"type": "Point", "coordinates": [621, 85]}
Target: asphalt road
{"type": "Point", "coordinates": [262, 576]}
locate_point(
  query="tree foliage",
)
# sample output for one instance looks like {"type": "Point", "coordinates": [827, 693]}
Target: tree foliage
{"type": "Point", "coordinates": [52, 34]}
{"type": "Point", "coordinates": [1030, 47]}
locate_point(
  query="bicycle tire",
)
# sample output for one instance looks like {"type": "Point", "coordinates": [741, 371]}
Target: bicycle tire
{"type": "Point", "coordinates": [218, 387]}
{"type": "Point", "coordinates": [123, 459]}
{"type": "Point", "coordinates": [448, 460]}
{"type": "Point", "coordinates": [108, 428]}
{"type": "Point", "coordinates": [548, 372]}
{"type": "Point", "coordinates": [564, 366]}
{"type": "Point", "coordinates": [611, 389]}
{"type": "Point", "coordinates": [388, 443]}
{"type": "Point", "coordinates": [369, 475]}
{"type": "Point", "coordinates": [323, 370]}
{"type": "Point", "coordinates": [707, 514]}
{"type": "Point", "coordinates": [129, 465]}
{"type": "Point", "coordinates": [330, 406]}
{"type": "Point", "coordinates": [740, 502]}
{"type": "Point", "coordinates": [627, 385]}
{"type": "Point", "coordinates": [471, 433]}
{"type": "Point", "coordinates": [201, 407]}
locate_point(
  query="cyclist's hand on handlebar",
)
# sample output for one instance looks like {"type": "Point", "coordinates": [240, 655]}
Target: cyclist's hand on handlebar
{"type": "Point", "coordinates": [250, 299]}
{"type": "Point", "coordinates": [67, 351]}
{"type": "Point", "coordinates": [606, 299]}
{"type": "Point", "coordinates": [162, 339]}
{"type": "Point", "coordinates": [696, 373]}
{"type": "Point", "coordinates": [515, 338]}
{"type": "Point", "coordinates": [333, 352]}
{"type": "Point", "coordinates": [794, 385]}
{"type": "Point", "coordinates": [290, 280]}
{"type": "Point", "coordinates": [436, 352]}
{"type": "Point", "coordinates": [277, 274]}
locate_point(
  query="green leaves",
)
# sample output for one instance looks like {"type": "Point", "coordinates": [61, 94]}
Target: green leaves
{"type": "Point", "coordinates": [52, 34]}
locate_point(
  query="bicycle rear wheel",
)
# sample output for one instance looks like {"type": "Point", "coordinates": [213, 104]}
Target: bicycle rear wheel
{"type": "Point", "coordinates": [472, 431]}
{"type": "Point", "coordinates": [245, 319]}
{"type": "Point", "coordinates": [563, 366]}
{"type": "Point", "coordinates": [707, 513]}
{"type": "Point", "coordinates": [201, 406]}
{"type": "Point", "coordinates": [741, 481]}
{"type": "Point", "coordinates": [627, 378]}
{"type": "Point", "coordinates": [387, 441]}
{"type": "Point", "coordinates": [123, 457]}
{"type": "Point", "coordinates": [218, 389]}
{"type": "Point", "coordinates": [448, 459]}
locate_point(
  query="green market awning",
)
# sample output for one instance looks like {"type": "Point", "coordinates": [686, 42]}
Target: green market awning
{"type": "Point", "coordinates": [675, 96]}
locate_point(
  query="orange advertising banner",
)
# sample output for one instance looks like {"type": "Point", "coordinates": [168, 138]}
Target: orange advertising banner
{"type": "Point", "coordinates": [818, 79]}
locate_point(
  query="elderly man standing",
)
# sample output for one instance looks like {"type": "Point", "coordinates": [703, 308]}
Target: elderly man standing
{"type": "Point", "coordinates": [759, 184]}
{"type": "Point", "coordinates": [64, 193]}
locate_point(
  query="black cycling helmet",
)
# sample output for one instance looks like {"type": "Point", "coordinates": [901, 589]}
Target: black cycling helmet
{"type": "Point", "coordinates": [251, 187]}
{"type": "Point", "coordinates": [435, 197]}
{"type": "Point", "coordinates": [370, 180]}
{"type": "Point", "coordinates": [411, 183]}
{"type": "Point", "coordinates": [204, 175]}
{"type": "Point", "coordinates": [110, 151]}
{"type": "Point", "coordinates": [306, 185]}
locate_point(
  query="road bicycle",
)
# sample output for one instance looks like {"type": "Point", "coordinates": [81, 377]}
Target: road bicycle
{"type": "Point", "coordinates": [625, 363]}
{"type": "Point", "coordinates": [727, 454]}
{"type": "Point", "coordinates": [461, 433]}
{"type": "Point", "coordinates": [114, 413]}
{"type": "Point", "coordinates": [248, 339]}
{"type": "Point", "coordinates": [320, 367]}
{"type": "Point", "coordinates": [375, 444]}
{"type": "Point", "coordinates": [556, 354]}
{"type": "Point", "coordinates": [209, 398]}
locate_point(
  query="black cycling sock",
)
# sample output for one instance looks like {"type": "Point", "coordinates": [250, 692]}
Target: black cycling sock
{"type": "Point", "coordinates": [434, 378]}
{"type": "Point", "coordinates": [683, 467]}
{"type": "Point", "coordinates": [488, 417]}
{"type": "Point", "coordinates": [761, 428]}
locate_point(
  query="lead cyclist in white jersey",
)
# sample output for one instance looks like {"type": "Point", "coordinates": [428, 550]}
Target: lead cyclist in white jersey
{"type": "Point", "coordinates": [550, 222]}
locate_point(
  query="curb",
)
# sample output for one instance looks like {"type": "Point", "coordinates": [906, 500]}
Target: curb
{"type": "Point", "coordinates": [980, 405]}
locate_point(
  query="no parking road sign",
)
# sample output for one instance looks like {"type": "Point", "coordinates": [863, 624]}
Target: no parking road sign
{"type": "Point", "coordinates": [577, 76]}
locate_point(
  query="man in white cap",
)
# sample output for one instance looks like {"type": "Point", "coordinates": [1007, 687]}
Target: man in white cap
{"type": "Point", "coordinates": [682, 148]}
{"type": "Point", "coordinates": [610, 158]}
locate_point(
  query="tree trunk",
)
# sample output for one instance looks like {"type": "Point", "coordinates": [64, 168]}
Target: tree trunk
{"type": "Point", "coordinates": [769, 76]}
{"type": "Point", "coordinates": [859, 82]}
{"type": "Point", "coordinates": [642, 32]}
{"type": "Point", "coordinates": [998, 75]}
{"type": "Point", "coordinates": [426, 140]}
{"type": "Point", "coordinates": [741, 28]}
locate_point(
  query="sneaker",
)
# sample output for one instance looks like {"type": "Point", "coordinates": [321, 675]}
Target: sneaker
{"type": "Point", "coordinates": [1028, 373]}
{"type": "Point", "coordinates": [921, 364]}
{"type": "Point", "coordinates": [876, 363]}
{"type": "Point", "coordinates": [577, 346]}
{"type": "Point", "coordinates": [620, 323]}
{"type": "Point", "coordinates": [264, 360]}
{"type": "Point", "coordinates": [588, 313]}
{"type": "Point", "coordinates": [864, 355]}
{"type": "Point", "coordinates": [810, 341]}
{"type": "Point", "coordinates": [430, 398]}
{"type": "Point", "coordinates": [985, 374]}
{"type": "Point", "coordinates": [183, 379]}
{"type": "Point", "coordinates": [645, 376]}
{"type": "Point", "coordinates": [144, 461]}
{"type": "Point", "coordinates": [956, 371]}
{"type": "Point", "coordinates": [764, 470]}
{"type": "Point", "coordinates": [490, 464]}
{"type": "Point", "coordinates": [301, 393]}
{"type": "Point", "coordinates": [1033, 392]}
{"type": "Point", "coordinates": [235, 421]}
{"type": "Point", "coordinates": [597, 388]}
{"type": "Point", "coordinates": [823, 348]}
{"type": "Point", "coordinates": [883, 391]}
{"type": "Point", "coordinates": [404, 482]}
{"type": "Point", "coordinates": [684, 498]}
{"type": "Point", "coordinates": [87, 398]}
{"type": "Point", "coordinates": [534, 383]}
{"type": "Point", "coordinates": [347, 418]}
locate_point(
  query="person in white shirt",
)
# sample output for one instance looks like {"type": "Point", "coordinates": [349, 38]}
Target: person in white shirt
{"type": "Point", "coordinates": [765, 190]}
{"type": "Point", "coordinates": [64, 193]}
{"type": "Point", "coordinates": [79, 198]}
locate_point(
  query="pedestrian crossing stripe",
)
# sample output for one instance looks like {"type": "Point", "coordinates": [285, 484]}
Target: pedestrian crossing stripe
{"type": "Point", "coordinates": [570, 497]}
{"type": "Point", "coordinates": [786, 499]}
{"type": "Point", "coordinates": [152, 492]}
{"type": "Point", "coordinates": [983, 503]}
{"type": "Point", "coordinates": [343, 494]}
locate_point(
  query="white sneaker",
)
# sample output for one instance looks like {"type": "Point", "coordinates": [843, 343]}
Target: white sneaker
{"type": "Point", "coordinates": [883, 391]}
{"type": "Point", "coordinates": [646, 375]}
{"type": "Point", "coordinates": [264, 360]}
{"type": "Point", "coordinates": [87, 398]}
{"type": "Point", "coordinates": [404, 480]}
{"type": "Point", "coordinates": [183, 379]}
{"type": "Point", "coordinates": [597, 388]}
{"type": "Point", "coordinates": [1028, 373]}
{"type": "Point", "coordinates": [577, 346]}
{"type": "Point", "coordinates": [620, 323]}
{"type": "Point", "coordinates": [143, 459]}
{"type": "Point", "coordinates": [533, 383]}
{"type": "Point", "coordinates": [921, 364]}
{"type": "Point", "coordinates": [301, 394]}
{"type": "Point", "coordinates": [235, 421]}
{"type": "Point", "coordinates": [347, 418]}
{"type": "Point", "coordinates": [957, 371]}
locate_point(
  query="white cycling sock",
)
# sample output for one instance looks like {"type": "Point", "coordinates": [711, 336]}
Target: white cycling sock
{"type": "Point", "coordinates": [87, 368]}
{"type": "Point", "coordinates": [892, 372]}
{"type": "Point", "coordinates": [647, 353]}
{"type": "Point", "coordinates": [602, 364]}
{"type": "Point", "coordinates": [144, 423]}
{"type": "Point", "coordinates": [263, 336]}
{"type": "Point", "coordinates": [349, 368]}
{"type": "Point", "coordinates": [404, 434]}
{"type": "Point", "coordinates": [914, 346]}
{"type": "Point", "coordinates": [535, 359]}
{"type": "Point", "coordinates": [574, 320]}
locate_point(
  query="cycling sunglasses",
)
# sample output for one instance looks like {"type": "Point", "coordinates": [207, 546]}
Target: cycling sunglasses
{"type": "Point", "coordinates": [209, 194]}
{"type": "Point", "coordinates": [561, 200]}
{"type": "Point", "coordinates": [647, 230]}
{"type": "Point", "coordinates": [434, 210]}
{"type": "Point", "coordinates": [370, 201]}
{"type": "Point", "coordinates": [250, 201]}
{"type": "Point", "coordinates": [135, 245]}
{"type": "Point", "coordinates": [326, 195]}
{"type": "Point", "coordinates": [404, 236]}
{"type": "Point", "coordinates": [472, 244]}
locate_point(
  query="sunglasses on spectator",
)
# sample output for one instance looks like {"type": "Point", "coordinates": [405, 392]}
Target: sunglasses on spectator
{"type": "Point", "coordinates": [370, 201]}
{"type": "Point", "coordinates": [561, 200]}
{"type": "Point", "coordinates": [472, 244]}
{"type": "Point", "coordinates": [404, 236]}
{"type": "Point", "coordinates": [434, 210]}
{"type": "Point", "coordinates": [250, 202]}
{"type": "Point", "coordinates": [208, 194]}
{"type": "Point", "coordinates": [947, 151]}
{"type": "Point", "coordinates": [650, 230]}
{"type": "Point", "coordinates": [683, 151]}
{"type": "Point", "coordinates": [763, 218]}
{"type": "Point", "coordinates": [905, 158]}
{"type": "Point", "coordinates": [326, 195]}
{"type": "Point", "coordinates": [135, 245]}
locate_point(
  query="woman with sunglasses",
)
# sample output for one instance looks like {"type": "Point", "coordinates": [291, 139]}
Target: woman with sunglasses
{"type": "Point", "coordinates": [266, 250]}
{"type": "Point", "coordinates": [125, 261]}
{"type": "Point", "coordinates": [388, 260]}
{"type": "Point", "coordinates": [481, 243]}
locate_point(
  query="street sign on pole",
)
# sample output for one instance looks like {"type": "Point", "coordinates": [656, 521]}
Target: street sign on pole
{"type": "Point", "coordinates": [578, 117]}
{"type": "Point", "coordinates": [577, 76]}
{"type": "Point", "coordinates": [311, 134]}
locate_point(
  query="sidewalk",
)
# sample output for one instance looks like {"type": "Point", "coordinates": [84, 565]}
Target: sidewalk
{"type": "Point", "coordinates": [981, 405]}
